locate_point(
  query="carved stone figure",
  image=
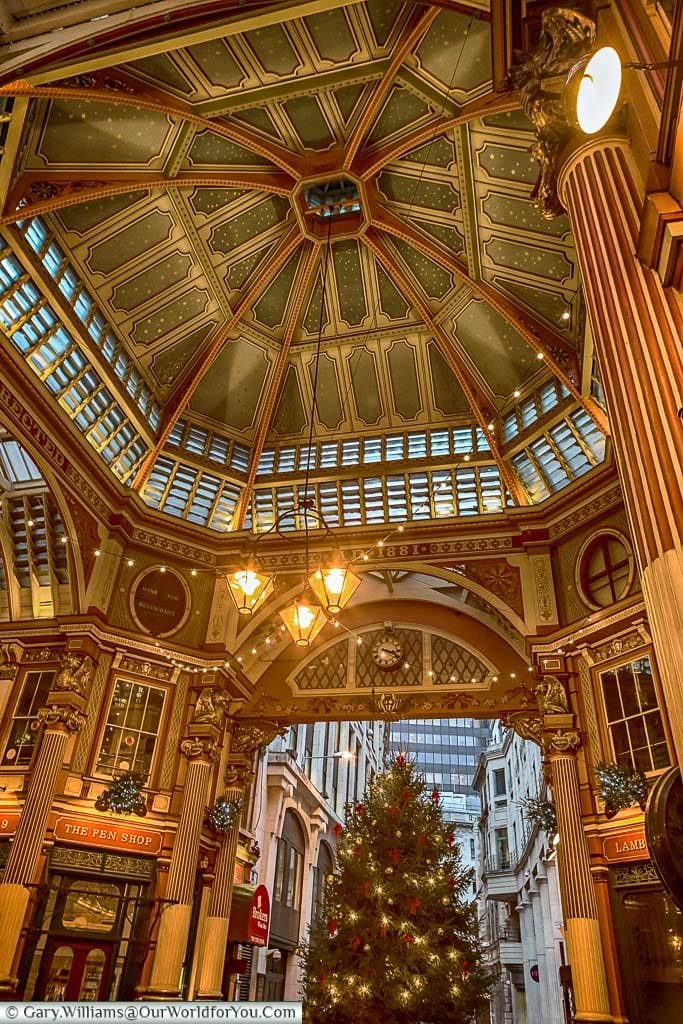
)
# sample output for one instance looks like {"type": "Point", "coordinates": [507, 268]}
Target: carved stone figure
{"type": "Point", "coordinates": [74, 675]}
{"type": "Point", "coordinates": [205, 711]}
{"type": "Point", "coordinates": [565, 37]}
{"type": "Point", "coordinates": [526, 725]}
{"type": "Point", "coordinates": [552, 696]}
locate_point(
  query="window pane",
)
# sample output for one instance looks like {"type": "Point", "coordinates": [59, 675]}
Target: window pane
{"type": "Point", "coordinates": [611, 692]}
{"type": "Point", "coordinates": [132, 728]}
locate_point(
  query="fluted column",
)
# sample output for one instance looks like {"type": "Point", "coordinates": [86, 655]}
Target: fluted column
{"type": "Point", "coordinates": [61, 717]}
{"type": "Point", "coordinates": [174, 927]}
{"type": "Point", "coordinates": [245, 740]}
{"type": "Point", "coordinates": [215, 936]}
{"type": "Point", "coordinates": [582, 928]}
{"type": "Point", "coordinates": [637, 329]}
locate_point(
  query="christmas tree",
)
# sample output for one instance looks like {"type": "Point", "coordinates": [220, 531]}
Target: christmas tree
{"type": "Point", "coordinates": [398, 942]}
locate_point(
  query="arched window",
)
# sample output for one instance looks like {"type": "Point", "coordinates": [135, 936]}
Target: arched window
{"type": "Point", "coordinates": [323, 869]}
{"type": "Point", "coordinates": [289, 865]}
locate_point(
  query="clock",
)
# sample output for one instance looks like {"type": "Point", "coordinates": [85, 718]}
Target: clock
{"type": "Point", "coordinates": [387, 651]}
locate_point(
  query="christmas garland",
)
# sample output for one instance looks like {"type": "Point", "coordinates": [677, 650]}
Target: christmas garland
{"type": "Point", "coordinates": [224, 814]}
{"type": "Point", "coordinates": [124, 795]}
{"type": "Point", "coordinates": [620, 787]}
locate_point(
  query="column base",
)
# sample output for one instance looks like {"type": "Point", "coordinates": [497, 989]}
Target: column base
{"type": "Point", "coordinates": [212, 959]}
{"type": "Point", "coordinates": [13, 903]}
{"type": "Point", "coordinates": [174, 930]}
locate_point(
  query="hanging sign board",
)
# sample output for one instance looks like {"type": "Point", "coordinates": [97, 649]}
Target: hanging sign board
{"type": "Point", "coordinates": [250, 915]}
{"type": "Point", "coordinates": [535, 973]}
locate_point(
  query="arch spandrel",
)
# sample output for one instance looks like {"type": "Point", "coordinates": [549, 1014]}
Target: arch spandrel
{"type": "Point", "coordinates": [502, 680]}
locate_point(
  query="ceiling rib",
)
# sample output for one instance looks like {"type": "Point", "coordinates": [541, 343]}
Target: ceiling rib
{"type": "Point", "coordinates": [275, 383]}
{"type": "Point", "coordinates": [416, 26]}
{"type": "Point", "coordinates": [555, 349]}
{"type": "Point", "coordinates": [72, 188]}
{"type": "Point", "coordinates": [493, 103]}
{"type": "Point", "coordinates": [287, 161]}
{"type": "Point", "coordinates": [479, 403]}
{"type": "Point", "coordinates": [183, 393]}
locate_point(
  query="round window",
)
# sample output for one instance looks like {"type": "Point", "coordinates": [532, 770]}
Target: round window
{"type": "Point", "coordinates": [606, 569]}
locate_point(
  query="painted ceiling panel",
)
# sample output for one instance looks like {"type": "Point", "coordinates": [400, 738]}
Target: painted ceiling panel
{"type": "Point", "coordinates": [271, 309]}
{"type": "Point", "coordinates": [77, 132]}
{"type": "Point", "coordinates": [309, 122]}
{"type": "Point", "coordinates": [230, 393]}
{"type": "Point", "coordinates": [348, 271]}
{"type": "Point", "coordinates": [328, 397]}
{"type": "Point", "coordinates": [290, 417]}
{"type": "Point", "coordinates": [384, 16]}
{"type": "Point", "coordinates": [161, 68]}
{"type": "Point", "coordinates": [151, 282]}
{"type": "Point", "coordinates": [404, 385]}
{"type": "Point", "coordinates": [447, 394]}
{"type": "Point", "coordinates": [218, 63]}
{"type": "Point", "coordinates": [171, 316]}
{"type": "Point", "coordinates": [217, 151]}
{"type": "Point", "coordinates": [332, 35]}
{"type": "Point", "coordinates": [456, 52]}
{"type": "Point", "coordinates": [273, 48]}
{"type": "Point", "coordinates": [401, 109]}
{"type": "Point", "coordinates": [169, 364]}
{"type": "Point", "coordinates": [210, 200]}
{"type": "Point", "coordinates": [366, 393]}
{"type": "Point", "coordinates": [134, 240]}
{"type": "Point", "coordinates": [84, 216]}
{"type": "Point", "coordinates": [268, 213]}
{"type": "Point", "coordinates": [496, 348]}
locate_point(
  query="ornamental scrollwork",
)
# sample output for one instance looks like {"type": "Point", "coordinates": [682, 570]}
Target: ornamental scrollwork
{"type": "Point", "coordinates": [61, 714]}
{"type": "Point", "coordinates": [526, 725]}
{"type": "Point", "coordinates": [195, 747]}
{"type": "Point", "coordinates": [248, 738]}
{"type": "Point", "coordinates": [237, 776]}
{"type": "Point", "coordinates": [562, 741]}
{"type": "Point", "coordinates": [565, 37]}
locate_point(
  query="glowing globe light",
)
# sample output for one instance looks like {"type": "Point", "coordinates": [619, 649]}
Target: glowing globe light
{"type": "Point", "coordinates": [249, 587]}
{"type": "Point", "coordinates": [335, 584]}
{"type": "Point", "coordinates": [303, 620]}
{"type": "Point", "coordinates": [593, 89]}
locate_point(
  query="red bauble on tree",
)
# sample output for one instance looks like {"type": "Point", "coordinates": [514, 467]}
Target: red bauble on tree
{"type": "Point", "coordinates": [435, 796]}
{"type": "Point", "coordinates": [394, 856]}
{"type": "Point", "coordinates": [413, 904]}
{"type": "Point", "coordinates": [337, 830]}
{"type": "Point", "coordinates": [332, 926]}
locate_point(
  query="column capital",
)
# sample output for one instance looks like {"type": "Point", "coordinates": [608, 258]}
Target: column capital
{"type": "Point", "coordinates": [64, 711]}
{"type": "Point", "coordinates": [200, 748]}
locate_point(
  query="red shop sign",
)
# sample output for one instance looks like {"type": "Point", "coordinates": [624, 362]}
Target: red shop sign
{"type": "Point", "coordinates": [8, 822]}
{"type": "Point", "coordinates": [108, 834]}
{"type": "Point", "coordinates": [631, 845]}
{"type": "Point", "coordinates": [250, 915]}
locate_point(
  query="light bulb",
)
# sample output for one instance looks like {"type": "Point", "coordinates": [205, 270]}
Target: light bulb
{"type": "Point", "coordinates": [304, 616]}
{"type": "Point", "coordinates": [247, 580]}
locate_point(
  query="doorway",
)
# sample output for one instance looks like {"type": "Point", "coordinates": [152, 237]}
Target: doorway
{"type": "Point", "coordinates": [75, 971]}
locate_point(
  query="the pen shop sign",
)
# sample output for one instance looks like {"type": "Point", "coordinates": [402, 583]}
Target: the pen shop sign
{"type": "Point", "coordinates": [160, 601]}
{"type": "Point", "coordinates": [108, 835]}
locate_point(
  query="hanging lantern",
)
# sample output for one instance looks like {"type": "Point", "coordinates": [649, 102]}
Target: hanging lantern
{"type": "Point", "coordinates": [249, 587]}
{"type": "Point", "coordinates": [334, 584]}
{"type": "Point", "coordinates": [304, 620]}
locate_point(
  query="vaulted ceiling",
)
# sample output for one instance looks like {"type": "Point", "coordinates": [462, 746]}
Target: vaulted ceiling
{"type": "Point", "coordinates": [180, 186]}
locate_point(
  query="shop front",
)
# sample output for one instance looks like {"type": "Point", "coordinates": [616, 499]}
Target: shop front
{"type": "Point", "coordinates": [249, 929]}
{"type": "Point", "coordinates": [92, 913]}
{"type": "Point", "coordinates": [649, 931]}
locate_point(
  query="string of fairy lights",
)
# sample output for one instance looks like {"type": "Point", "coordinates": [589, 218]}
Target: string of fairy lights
{"type": "Point", "coordinates": [272, 641]}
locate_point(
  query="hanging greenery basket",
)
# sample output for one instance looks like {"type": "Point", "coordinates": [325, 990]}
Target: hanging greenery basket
{"type": "Point", "coordinates": [541, 811]}
{"type": "Point", "coordinates": [224, 814]}
{"type": "Point", "coordinates": [620, 787]}
{"type": "Point", "coordinates": [124, 795]}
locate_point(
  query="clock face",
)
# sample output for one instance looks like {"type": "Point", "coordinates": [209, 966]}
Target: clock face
{"type": "Point", "coordinates": [387, 651]}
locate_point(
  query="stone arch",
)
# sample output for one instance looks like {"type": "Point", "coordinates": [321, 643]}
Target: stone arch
{"type": "Point", "coordinates": [43, 574]}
